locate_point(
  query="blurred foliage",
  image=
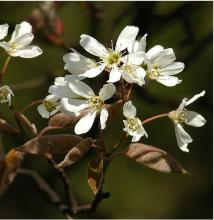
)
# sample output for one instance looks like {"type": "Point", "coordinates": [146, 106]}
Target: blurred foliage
{"type": "Point", "coordinates": [136, 191]}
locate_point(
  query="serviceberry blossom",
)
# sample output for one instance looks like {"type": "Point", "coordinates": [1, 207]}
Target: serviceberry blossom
{"type": "Point", "coordinates": [160, 62]}
{"type": "Point", "coordinates": [6, 94]}
{"type": "Point", "coordinates": [19, 44]}
{"type": "Point", "coordinates": [88, 100]}
{"type": "Point", "coordinates": [110, 59]}
{"type": "Point", "coordinates": [133, 125]}
{"type": "Point", "coordinates": [181, 116]}
{"type": "Point", "coordinates": [49, 107]}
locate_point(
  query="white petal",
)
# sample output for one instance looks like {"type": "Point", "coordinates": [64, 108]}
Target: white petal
{"type": "Point", "coordinates": [27, 52]}
{"type": "Point", "coordinates": [62, 91]}
{"type": "Point", "coordinates": [164, 58]}
{"type": "Point", "coordinates": [52, 98]}
{"type": "Point", "coordinates": [126, 38]}
{"type": "Point", "coordinates": [195, 97]}
{"type": "Point", "coordinates": [136, 137]}
{"type": "Point", "coordinates": [152, 53]}
{"type": "Point", "coordinates": [24, 40]}
{"type": "Point", "coordinates": [141, 130]}
{"type": "Point", "coordinates": [81, 89]}
{"type": "Point", "coordinates": [142, 43]}
{"type": "Point", "coordinates": [169, 80]}
{"type": "Point", "coordinates": [60, 81]}
{"type": "Point", "coordinates": [85, 123]}
{"type": "Point", "coordinates": [3, 30]}
{"type": "Point", "coordinates": [136, 58]}
{"type": "Point", "coordinates": [173, 68]}
{"type": "Point", "coordinates": [93, 72]}
{"type": "Point", "coordinates": [183, 138]}
{"type": "Point", "coordinates": [182, 105]}
{"type": "Point", "coordinates": [43, 111]}
{"type": "Point", "coordinates": [21, 29]}
{"type": "Point", "coordinates": [70, 78]}
{"type": "Point", "coordinates": [114, 75]}
{"type": "Point", "coordinates": [195, 119]}
{"type": "Point", "coordinates": [103, 118]}
{"type": "Point", "coordinates": [73, 57]}
{"type": "Point", "coordinates": [5, 46]}
{"type": "Point", "coordinates": [107, 91]}
{"type": "Point", "coordinates": [73, 105]}
{"type": "Point", "coordinates": [92, 46]}
{"type": "Point", "coordinates": [129, 111]}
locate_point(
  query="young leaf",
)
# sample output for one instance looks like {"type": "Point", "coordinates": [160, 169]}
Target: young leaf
{"type": "Point", "coordinates": [154, 158]}
{"type": "Point", "coordinates": [95, 174]}
{"type": "Point", "coordinates": [8, 168]}
{"type": "Point", "coordinates": [51, 144]}
{"type": "Point", "coordinates": [76, 153]}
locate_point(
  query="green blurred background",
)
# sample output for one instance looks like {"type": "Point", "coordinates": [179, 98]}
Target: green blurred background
{"type": "Point", "coordinates": [136, 191]}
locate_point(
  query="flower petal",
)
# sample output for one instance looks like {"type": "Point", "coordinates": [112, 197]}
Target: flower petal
{"type": "Point", "coordinates": [136, 58]}
{"type": "Point", "coordinates": [93, 72]}
{"type": "Point", "coordinates": [195, 97]}
{"type": "Point", "coordinates": [81, 89]}
{"type": "Point", "coordinates": [183, 138]}
{"type": "Point", "coordinates": [114, 75]}
{"type": "Point", "coordinates": [103, 118]}
{"type": "Point", "coordinates": [24, 40]}
{"type": "Point", "coordinates": [27, 52]}
{"type": "Point", "coordinates": [129, 110]}
{"type": "Point", "coordinates": [21, 29]}
{"type": "Point", "coordinates": [169, 80]}
{"type": "Point", "coordinates": [92, 46]}
{"type": "Point", "coordinates": [194, 119]}
{"type": "Point", "coordinates": [107, 91]}
{"type": "Point", "coordinates": [164, 57]}
{"type": "Point", "coordinates": [73, 57]}
{"type": "Point", "coordinates": [172, 68]}
{"type": "Point", "coordinates": [126, 38]}
{"type": "Point", "coordinates": [43, 111]}
{"type": "Point", "coordinates": [85, 123]}
{"type": "Point", "coordinates": [153, 52]}
{"type": "Point", "coordinates": [142, 43]}
{"type": "Point", "coordinates": [3, 30]}
{"type": "Point", "coordinates": [73, 105]}
{"type": "Point", "coordinates": [136, 137]}
{"type": "Point", "coordinates": [5, 46]}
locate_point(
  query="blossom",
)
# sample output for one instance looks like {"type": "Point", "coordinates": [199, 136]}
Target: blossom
{"type": "Point", "coordinates": [88, 100]}
{"type": "Point", "coordinates": [109, 58]}
{"type": "Point", "coordinates": [19, 44]}
{"type": "Point", "coordinates": [49, 107]}
{"type": "Point", "coordinates": [133, 125]}
{"type": "Point", "coordinates": [160, 62]}
{"type": "Point", "coordinates": [181, 116]}
{"type": "Point", "coordinates": [6, 94]}
{"type": "Point", "coordinates": [3, 30]}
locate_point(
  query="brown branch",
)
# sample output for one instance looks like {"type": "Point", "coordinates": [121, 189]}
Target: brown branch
{"type": "Point", "coordinates": [4, 68]}
{"type": "Point", "coordinates": [30, 105]}
{"type": "Point", "coordinates": [68, 192]}
{"type": "Point", "coordinates": [45, 187]}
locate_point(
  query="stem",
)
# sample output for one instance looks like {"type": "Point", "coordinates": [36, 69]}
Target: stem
{"type": "Point", "coordinates": [30, 105]}
{"type": "Point", "coordinates": [71, 199]}
{"type": "Point", "coordinates": [4, 68]}
{"type": "Point", "coordinates": [154, 118]}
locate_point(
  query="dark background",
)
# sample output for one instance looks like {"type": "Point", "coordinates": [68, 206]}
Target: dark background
{"type": "Point", "coordinates": [136, 191]}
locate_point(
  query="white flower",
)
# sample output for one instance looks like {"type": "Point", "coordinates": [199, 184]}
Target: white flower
{"type": "Point", "coordinates": [49, 107]}
{"type": "Point", "coordinates": [19, 44]}
{"type": "Point", "coordinates": [96, 104]}
{"type": "Point", "coordinates": [110, 58]}
{"type": "Point", "coordinates": [161, 65]}
{"type": "Point", "coordinates": [180, 116]}
{"type": "Point", "coordinates": [133, 125]}
{"type": "Point", "coordinates": [6, 94]}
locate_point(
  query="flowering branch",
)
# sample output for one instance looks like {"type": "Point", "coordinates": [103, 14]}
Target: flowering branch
{"type": "Point", "coordinates": [154, 118]}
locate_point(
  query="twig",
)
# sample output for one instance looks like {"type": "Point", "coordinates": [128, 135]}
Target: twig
{"type": "Point", "coordinates": [4, 68]}
{"type": "Point", "coordinates": [30, 105]}
{"type": "Point", "coordinates": [45, 187]}
{"type": "Point", "coordinates": [68, 192]}
{"type": "Point", "coordinates": [154, 118]}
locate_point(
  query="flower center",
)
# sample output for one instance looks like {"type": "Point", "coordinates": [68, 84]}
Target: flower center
{"type": "Point", "coordinates": [50, 106]}
{"type": "Point", "coordinates": [113, 58]}
{"type": "Point", "coordinates": [154, 73]}
{"type": "Point", "coordinates": [3, 94]}
{"type": "Point", "coordinates": [178, 117]}
{"type": "Point", "coordinates": [95, 103]}
{"type": "Point", "coordinates": [133, 124]}
{"type": "Point", "coordinates": [128, 69]}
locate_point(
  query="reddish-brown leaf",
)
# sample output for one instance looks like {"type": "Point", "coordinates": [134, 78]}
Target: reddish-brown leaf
{"type": "Point", "coordinates": [76, 153]}
{"type": "Point", "coordinates": [8, 168]}
{"type": "Point", "coordinates": [7, 127]}
{"type": "Point", "coordinates": [51, 144]}
{"type": "Point", "coordinates": [95, 174]}
{"type": "Point", "coordinates": [154, 158]}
